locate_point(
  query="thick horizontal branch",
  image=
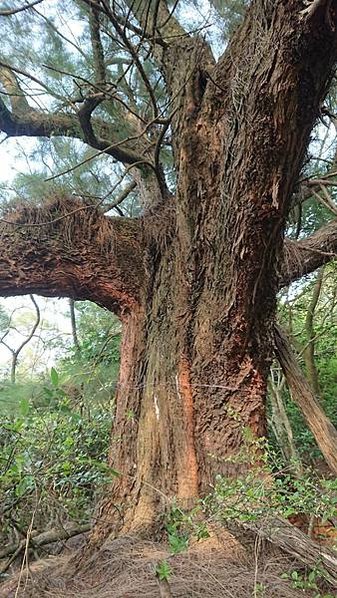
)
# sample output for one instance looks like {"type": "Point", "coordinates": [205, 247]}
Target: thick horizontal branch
{"type": "Point", "coordinates": [304, 257]}
{"type": "Point", "coordinates": [13, 11]}
{"type": "Point", "coordinates": [68, 249]}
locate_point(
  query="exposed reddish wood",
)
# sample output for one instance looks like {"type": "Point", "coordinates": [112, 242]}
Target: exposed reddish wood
{"type": "Point", "coordinates": [188, 479]}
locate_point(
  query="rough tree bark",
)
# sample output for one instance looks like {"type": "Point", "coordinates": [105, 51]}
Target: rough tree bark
{"type": "Point", "coordinates": [194, 280]}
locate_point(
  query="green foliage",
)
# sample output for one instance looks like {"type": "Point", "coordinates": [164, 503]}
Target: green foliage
{"type": "Point", "coordinates": [182, 525]}
{"type": "Point", "coordinates": [260, 494]}
{"type": "Point", "coordinates": [54, 377]}
{"type": "Point", "coordinates": [91, 373]}
{"type": "Point", "coordinates": [307, 580]}
{"type": "Point", "coordinates": [163, 571]}
{"type": "Point", "coordinates": [56, 428]}
{"type": "Point", "coordinates": [53, 463]}
{"type": "Point", "coordinates": [11, 396]}
{"type": "Point", "coordinates": [268, 489]}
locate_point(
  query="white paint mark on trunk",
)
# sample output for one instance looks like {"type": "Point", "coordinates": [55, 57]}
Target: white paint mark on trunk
{"type": "Point", "coordinates": [156, 407]}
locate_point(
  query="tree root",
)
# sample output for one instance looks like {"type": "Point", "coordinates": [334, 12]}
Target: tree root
{"type": "Point", "coordinates": [292, 541]}
{"type": "Point", "coordinates": [35, 541]}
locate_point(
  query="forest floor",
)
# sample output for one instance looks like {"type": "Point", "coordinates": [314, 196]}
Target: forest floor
{"type": "Point", "coordinates": [219, 566]}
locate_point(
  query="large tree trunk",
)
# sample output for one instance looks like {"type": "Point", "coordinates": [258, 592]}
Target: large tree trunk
{"type": "Point", "coordinates": [187, 396]}
{"type": "Point", "coordinates": [196, 355]}
{"type": "Point", "coordinates": [195, 282]}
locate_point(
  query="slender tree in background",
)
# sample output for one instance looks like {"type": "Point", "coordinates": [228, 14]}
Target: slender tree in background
{"type": "Point", "coordinates": [73, 325]}
{"type": "Point", "coordinates": [15, 352]}
{"type": "Point", "coordinates": [309, 350]}
{"type": "Point", "coordinates": [212, 149]}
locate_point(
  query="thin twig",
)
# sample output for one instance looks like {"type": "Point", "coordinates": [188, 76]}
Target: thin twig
{"type": "Point", "coordinates": [13, 11]}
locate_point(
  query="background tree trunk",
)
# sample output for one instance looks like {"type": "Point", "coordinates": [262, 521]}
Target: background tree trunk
{"type": "Point", "coordinates": [282, 428]}
{"type": "Point", "coordinates": [309, 350]}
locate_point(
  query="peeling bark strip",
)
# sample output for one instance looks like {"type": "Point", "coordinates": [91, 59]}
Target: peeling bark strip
{"type": "Point", "coordinates": [68, 249]}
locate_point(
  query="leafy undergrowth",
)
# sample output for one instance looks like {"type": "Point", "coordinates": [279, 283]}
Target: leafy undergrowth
{"type": "Point", "coordinates": [54, 470]}
{"type": "Point", "coordinates": [306, 499]}
{"type": "Point", "coordinates": [200, 556]}
{"type": "Point", "coordinates": [53, 464]}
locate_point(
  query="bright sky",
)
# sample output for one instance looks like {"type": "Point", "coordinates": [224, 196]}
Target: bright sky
{"type": "Point", "coordinates": [52, 310]}
{"type": "Point", "coordinates": [13, 160]}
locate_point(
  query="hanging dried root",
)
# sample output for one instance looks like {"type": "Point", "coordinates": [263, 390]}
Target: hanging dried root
{"type": "Point", "coordinates": [321, 427]}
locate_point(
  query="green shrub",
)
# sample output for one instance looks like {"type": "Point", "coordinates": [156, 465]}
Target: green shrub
{"type": "Point", "coordinates": [53, 462]}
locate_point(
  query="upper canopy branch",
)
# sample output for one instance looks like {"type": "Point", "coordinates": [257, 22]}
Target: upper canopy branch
{"type": "Point", "coordinates": [24, 120]}
{"type": "Point", "coordinates": [97, 48]}
{"type": "Point", "coordinates": [129, 131]}
{"type": "Point", "coordinates": [157, 28]}
{"type": "Point", "coordinates": [157, 23]}
{"type": "Point", "coordinates": [37, 124]}
{"type": "Point", "coordinates": [68, 249]}
{"type": "Point", "coordinates": [180, 55]}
